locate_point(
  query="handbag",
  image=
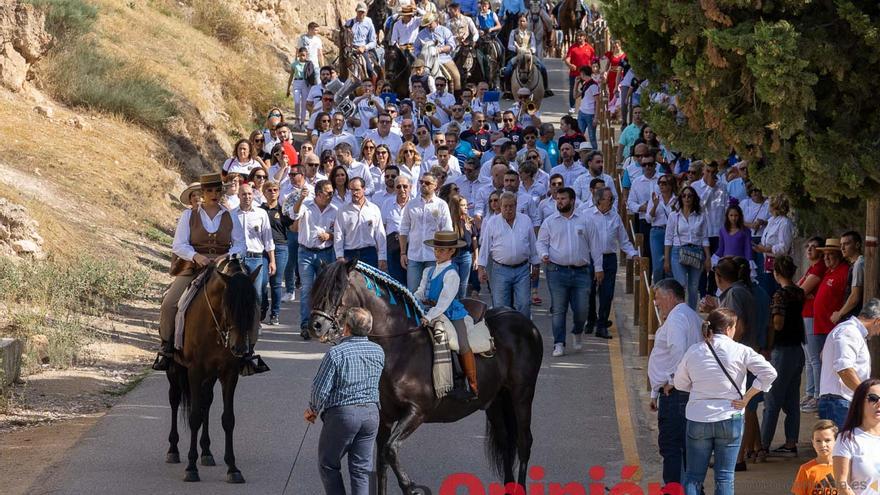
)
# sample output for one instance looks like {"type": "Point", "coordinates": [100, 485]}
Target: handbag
{"type": "Point", "coordinates": [689, 255]}
{"type": "Point", "coordinates": [768, 263]}
{"type": "Point", "coordinates": [724, 369]}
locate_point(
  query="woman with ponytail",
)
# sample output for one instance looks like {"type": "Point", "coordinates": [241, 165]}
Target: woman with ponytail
{"type": "Point", "coordinates": [714, 372]}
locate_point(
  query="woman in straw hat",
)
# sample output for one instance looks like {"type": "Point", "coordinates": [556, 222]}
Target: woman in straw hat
{"type": "Point", "coordinates": [439, 291]}
{"type": "Point", "coordinates": [191, 197]}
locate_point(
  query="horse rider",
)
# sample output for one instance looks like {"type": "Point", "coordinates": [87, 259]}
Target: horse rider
{"type": "Point", "coordinates": [462, 26]}
{"type": "Point", "coordinates": [444, 40]}
{"type": "Point", "coordinates": [439, 290]}
{"type": "Point", "coordinates": [364, 36]}
{"type": "Point", "coordinates": [511, 8]}
{"type": "Point", "coordinates": [204, 235]}
{"type": "Point", "coordinates": [522, 40]}
{"type": "Point", "coordinates": [487, 20]}
{"type": "Point", "coordinates": [405, 31]}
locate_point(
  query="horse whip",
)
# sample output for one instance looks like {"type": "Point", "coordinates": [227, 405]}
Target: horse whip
{"type": "Point", "coordinates": [296, 457]}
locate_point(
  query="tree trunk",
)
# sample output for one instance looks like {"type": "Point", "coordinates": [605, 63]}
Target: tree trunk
{"type": "Point", "coordinates": [872, 273]}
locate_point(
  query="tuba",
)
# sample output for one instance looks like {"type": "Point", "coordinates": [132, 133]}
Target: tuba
{"type": "Point", "coordinates": [531, 108]}
{"type": "Point", "coordinates": [341, 92]}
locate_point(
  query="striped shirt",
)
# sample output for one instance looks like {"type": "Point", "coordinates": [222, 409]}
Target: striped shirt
{"type": "Point", "coordinates": [348, 375]}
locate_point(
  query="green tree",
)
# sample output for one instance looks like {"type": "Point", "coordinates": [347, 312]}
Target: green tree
{"type": "Point", "coordinates": [791, 85]}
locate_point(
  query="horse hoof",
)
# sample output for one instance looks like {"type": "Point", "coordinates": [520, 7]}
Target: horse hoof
{"type": "Point", "coordinates": [234, 477]}
{"type": "Point", "coordinates": [172, 458]}
{"type": "Point", "coordinates": [418, 490]}
{"type": "Point", "coordinates": [191, 476]}
{"type": "Point", "coordinates": [208, 460]}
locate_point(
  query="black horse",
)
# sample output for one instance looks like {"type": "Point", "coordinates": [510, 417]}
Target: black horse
{"type": "Point", "coordinates": [491, 58]}
{"type": "Point", "coordinates": [378, 11]}
{"type": "Point", "coordinates": [397, 70]}
{"type": "Point", "coordinates": [406, 392]}
{"type": "Point", "coordinates": [215, 338]}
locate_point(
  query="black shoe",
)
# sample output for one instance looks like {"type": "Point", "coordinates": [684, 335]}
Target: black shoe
{"type": "Point", "coordinates": [263, 313]}
{"type": "Point", "coordinates": [274, 320]}
{"type": "Point", "coordinates": [588, 330]}
{"type": "Point", "coordinates": [548, 93]}
{"type": "Point", "coordinates": [304, 333]}
{"type": "Point", "coordinates": [602, 333]}
{"type": "Point", "coordinates": [162, 362]}
{"type": "Point", "coordinates": [740, 466]}
{"type": "Point", "coordinates": [507, 95]}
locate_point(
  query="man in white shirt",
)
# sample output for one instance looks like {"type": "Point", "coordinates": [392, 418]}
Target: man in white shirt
{"type": "Point", "coordinates": [469, 183]}
{"type": "Point", "coordinates": [316, 219]}
{"type": "Point", "coordinates": [569, 168]}
{"type": "Point", "coordinates": [359, 232]}
{"type": "Point", "coordinates": [421, 218]}
{"type": "Point", "coordinates": [254, 222]}
{"type": "Point", "coordinates": [392, 212]}
{"type": "Point", "coordinates": [368, 105]}
{"type": "Point", "coordinates": [444, 40]}
{"type": "Point", "coordinates": [337, 134]}
{"type": "Point", "coordinates": [443, 100]}
{"type": "Point", "coordinates": [846, 362]}
{"type": "Point", "coordinates": [326, 75]}
{"type": "Point", "coordinates": [405, 30]}
{"type": "Point", "coordinates": [682, 328]}
{"type": "Point", "coordinates": [444, 160]}
{"type": "Point", "coordinates": [525, 204]}
{"type": "Point", "coordinates": [547, 206]}
{"type": "Point", "coordinates": [612, 238]}
{"type": "Point", "coordinates": [382, 135]}
{"type": "Point", "coordinates": [713, 202]}
{"type": "Point", "coordinates": [423, 143]}
{"type": "Point", "coordinates": [508, 251]}
{"type": "Point", "coordinates": [640, 195]}
{"type": "Point", "coordinates": [595, 163]}
{"type": "Point", "coordinates": [313, 44]}
{"type": "Point", "coordinates": [355, 168]}
{"type": "Point", "coordinates": [504, 148]}
{"type": "Point", "coordinates": [530, 137]}
{"type": "Point", "coordinates": [568, 246]}
{"type": "Point", "coordinates": [389, 178]}
{"type": "Point", "coordinates": [483, 193]}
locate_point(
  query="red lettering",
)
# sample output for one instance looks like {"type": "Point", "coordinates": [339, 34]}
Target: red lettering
{"type": "Point", "coordinates": [626, 488]}
{"type": "Point", "coordinates": [536, 473]}
{"type": "Point", "coordinates": [668, 489]}
{"type": "Point", "coordinates": [470, 482]}
{"type": "Point", "coordinates": [596, 473]}
{"type": "Point", "coordinates": [568, 489]}
{"type": "Point", "coordinates": [508, 489]}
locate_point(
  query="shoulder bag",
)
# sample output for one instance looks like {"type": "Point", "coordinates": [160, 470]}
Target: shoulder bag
{"type": "Point", "coordinates": [689, 255]}
{"type": "Point", "coordinates": [715, 355]}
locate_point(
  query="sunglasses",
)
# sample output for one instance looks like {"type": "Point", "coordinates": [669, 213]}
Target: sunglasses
{"type": "Point", "coordinates": [324, 121]}
{"type": "Point", "coordinates": [409, 151]}
{"type": "Point", "coordinates": [275, 114]}
{"type": "Point", "coordinates": [556, 184]}
{"type": "Point", "coordinates": [369, 147]}
{"type": "Point", "coordinates": [422, 133]}
{"type": "Point", "coordinates": [390, 177]}
{"type": "Point", "coordinates": [426, 182]}
{"type": "Point", "coordinates": [391, 111]}
{"type": "Point", "coordinates": [381, 152]}
{"type": "Point", "coordinates": [312, 164]}
{"type": "Point", "coordinates": [873, 398]}
{"type": "Point", "coordinates": [261, 140]}
{"type": "Point", "coordinates": [259, 177]}
{"type": "Point", "coordinates": [508, 120]}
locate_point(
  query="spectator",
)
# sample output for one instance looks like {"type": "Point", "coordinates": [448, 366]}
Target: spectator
{"type": "Point", "coordinates": [463, 225]}
{"type": "Point", "coordinates": [713, 201]}
{"type": "Point", "coordinates": [580, 54]}
{"type": "Point", "coordinates": [341, 193]}
{"type": "Point", "coordinates": [813, 348]}
{"type": "Point", "coordinates": [254, 223]}
{"type": "Point", "coordinates": [358, 232]}
{"type": "Point", "coordinates": [548, 144]}
{"type": "Point", "coordinates": [776, 241]}
{"type": "Point", "coordinates": [640, 194]}
{"type": "Point", "coordinates": [313, 45]}
{"type": "Point", "coordinates": [858, 448]}
{"type": "Point", "coordinates": [588, 90]}
{"type": "Point", "coordinates": [851, 248]}
{"type": "Point", "coordinates": [280, 223]}
{"type": "Point", "coordinates": [629, 134]}
{"type": "Point", "coordinates": [846, 363]}
{"type": "Point", "coordinates": [831, 293]}
{"type": "Point", "coordinates": [392, 211]}
{"type": "Point", "coordinates": [422, 217]}
{"type": "Point", "coordinates": [715, 375]}
{"type": "Point", "coordinates": [686, 231]}
{"type": "Point", "coordinates": [815, 476]}
{"type": "Point", "coordinates": [735, 238]}
{"type": "Point", "coordinates": [659, 209]}
{"type": "Point", "coordinates": [244, 160]}
{"type": "Point", "coordinates": [302, 75]}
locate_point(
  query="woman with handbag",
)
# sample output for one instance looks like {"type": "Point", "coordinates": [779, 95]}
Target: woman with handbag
{"type": "Point", "coordinates": [714, 373]}
{"type": "Point", "coordinates": [686, 246]}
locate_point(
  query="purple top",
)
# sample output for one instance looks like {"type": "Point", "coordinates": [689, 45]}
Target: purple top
{"type": "Point", "coordinates": [739, 244]}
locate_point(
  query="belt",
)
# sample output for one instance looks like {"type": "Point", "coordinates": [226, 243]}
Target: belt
{"type": "Point", "coordinates": [298, 78]}
{"type": "Point", "coordinates": [511, 266]}
{"type": "Point", "coordinates": [573, 267]}
{"type": "Point", "coordinates": [251, 254]}
{"type": "Point", "coordinates": [609, 254]}
{"type": "Point", "coordinates": [832, 397]}
{"type": "Point", "coordinates": [316, 250]}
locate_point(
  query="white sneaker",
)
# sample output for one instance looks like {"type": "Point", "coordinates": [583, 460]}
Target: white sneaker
{"type": "Point", "coordinates": [577, 342]}
{"type": "Point", "coordinates": [558, 350]}
{"type": "Point", "coordinates": [571, 111]}
{"type": "Point", "coordinates": [290, 297]}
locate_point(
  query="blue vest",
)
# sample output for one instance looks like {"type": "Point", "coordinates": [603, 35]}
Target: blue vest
{"type": "Point", "coordinates": [456, 310]}
{"type": "Point", "coordinates": [486, 22]}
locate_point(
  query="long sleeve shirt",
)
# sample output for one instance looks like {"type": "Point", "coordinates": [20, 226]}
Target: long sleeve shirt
{"type": "Point", "coordinates": [612, 234]}
{"type": "Point", "coordinates": [845, 348]}
{"type": "Point", "coordinates": [569, 173]}
{"type": "Point", "coordinates": [739, 244]}
{"type": "Point", "coordinates": [571, 241]}
{"type": "Point", "coordinates": [349, 374]}
{"type": "Point", "coordinates": [257, 230]}
{"type": "Point", "coordinates": [447, 293]}
{"type": "Point", "coordinates": [358, 169]}
{"type": "Point", "coordinates": [363, 33]}
{"type": "Point", "coordinates": [419, 221]}
{"type": "Point", "coordinates": [711, 391]}
{"type": "Point", "coordinates": [392, 213]}
{"type": "Point", "coordinates": [312, 222]}
{"type": "Point", "coordinates": [581, 187]}
{"type": "Point", "coordinates": [508, 244]}
{"type": "Point", "coordinates": [359, 227]}
{"type": "Point", "coordinates": [441, 36]}
{"type": "Point", "coordinates": [713, 201]}
{"type": "Point", "coordinates": [681, 330]}
{"type": "Point", "coordinates": [184, 250]}
{"type": "Point", "coordinates": [681, 230]}
{"type": "Point", "coordinates": [640, 195]}
{"type": "Point", "coordinates": [405, 33]}
{"type": "Point", "coordinates": [778, 235]}
{"type": "Point", "coordinates": [660, 217]}
{"type": "Point", "coordinates": [755, 211]}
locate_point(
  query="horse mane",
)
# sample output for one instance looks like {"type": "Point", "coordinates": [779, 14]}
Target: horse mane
{"type": "Point", "coordinates": [240, 300]}
{"type": "Point", "coordinates": [334, 280]}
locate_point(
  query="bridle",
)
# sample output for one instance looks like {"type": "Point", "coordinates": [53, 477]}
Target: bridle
{"type": "Point", "coordinates": [335, 331]}
{"type": "Point", "coordinates": [222, 332]}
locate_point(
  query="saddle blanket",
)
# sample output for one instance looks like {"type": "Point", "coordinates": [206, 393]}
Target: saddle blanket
{"type": "Point", "coordinates": [183, 304]}
{"type": "Point", "coordinates": [446, 340]}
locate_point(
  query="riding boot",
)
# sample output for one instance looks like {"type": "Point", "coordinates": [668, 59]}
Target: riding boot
{"type": "Point", "coordinates": [547, 91]}
{"type": "Point", "coordinates": [163, 359]}
{"type": "Point", "coordinates": [469, 363]}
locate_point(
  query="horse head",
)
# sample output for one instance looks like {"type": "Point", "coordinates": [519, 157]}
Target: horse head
{"type": "Point", "coordinates": [524, 62]}
{"type": "Point", "coordinates": [234, 314]}
{"type": "Point", "coordinates": [328, 301]}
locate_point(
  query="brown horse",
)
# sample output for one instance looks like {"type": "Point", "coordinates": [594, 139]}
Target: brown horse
{"type": "Point", "coordinates": [216, 336]}
{"type": "Point", "coordinates": [569, 19]}
{"type": "Point", "coordinates": [351, 62]}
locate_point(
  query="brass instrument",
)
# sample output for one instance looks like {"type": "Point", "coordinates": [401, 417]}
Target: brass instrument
{"type": "Point", "coordinates": [467, 109]}
{"type": "Point", "coordinates": [531, 108]}
{"type": "Point", "coordinates": [371, 103]}
{"type": "Point", "coordinates": [430, 108]}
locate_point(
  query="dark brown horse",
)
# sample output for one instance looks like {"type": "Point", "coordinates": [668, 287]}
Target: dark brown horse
{"type": "Point", "coordinates": [406, 392]}
{"type": "Point", "coordinates": [397, 70]}
{"type": "Point", "coordinates": [216, 332]}
{"type": "Point", "coordinates": [351, 62]}
{"type": "Point", "coordinates": [569, 19]}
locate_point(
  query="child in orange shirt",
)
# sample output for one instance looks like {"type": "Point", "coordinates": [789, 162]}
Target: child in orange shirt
{"type": "Point", "coordinates": [815, 477]}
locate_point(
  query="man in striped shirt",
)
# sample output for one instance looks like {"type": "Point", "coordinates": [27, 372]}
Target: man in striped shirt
{"type": "Point", "coordinates": [346, 394]}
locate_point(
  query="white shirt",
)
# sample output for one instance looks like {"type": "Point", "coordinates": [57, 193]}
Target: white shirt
{"type": "Point", "coordinates": [581, 187]}
{"type": "Point", "coordinates": [527, 206]}
{"type": "Point", "coordinates": [711, 391]}
{"type": "Point", "coordinates": [661, 214]}
{"type": "Point", "coordinates": [340, 201]}
{"type": "Point", "coordinates": [359, 227]}
{"type": "Point", "coordinates": [362, 170]}
{"type": "Point", "coordinates": [419, 222]}
{"type": "Point", "coordinates": [481, 206]}
{"type": "Point", "coordinates": [468, 189]}
{"type": "Point", "coordinates": [392, 212]}
{"type": "Point", "coordinates": [681, 230]}
{"type": "Point", "coordinates": [329, 140]}
{"type": "Point", "coordinates": [378, 198]}
{"type": "Point", "coordinates": [755, 211]}
{"type": "Point", "coordinates": [365, 112]}
{"type": "Point", "coordinates": [506, 244]}
{"type": "Point", "coordinates": [405, 33]}
{"type": "Point", "coordinates": [426, 152]}
{"type": "Point", "coordinates": [713, 203]}
{"type": "Point", "coordinates": [313, 221]}
{"type": "Point", "coordinates": [845, 347]}
{"type": "Point", "coordinates": [640, 195]}
{"type": "Point", "coordinates": [571, 241]}
{"type": "Point", "coordinates": [779, 235]}
{"type": "Point", "coordinates": [291, 194]}
{"type": "Point", "coordinates": [569, 173]}
{"type": "Point", "coordinates": [256, 227]}
{"type": "Point", "coordinates": [524, 119]}
{"type": "Point", "coordinates": [393, 141]}
{"type": "Point", "coordinates": [453, 169]}
{"type": "Point", "coordinates": [451, 283]}
{"type": "Point", "coordinates": [315, 94]}
{"type": "Point", "coordinates": [231, 202]}
{"type": "Point", "coordinates": [539, 188]}
{"type": "Point", "coordinates": [314, 45]}
{"type": "Point", "coordinates": [547, 207]}
{"type": "Point", "coordinates": [612, 234]}
{"type": "Point", "coordinates": [682, 329]}
{"type": "Point", "coordinates": [863, 449]}
{"type": "Point", "coordinates": [447, 99]}
{"type": "Point", "coordinates": [233, 166]}
{"type": "Point", "coordinates": [181, 245]}
{"type": "Point", "coordinates": [588, 102]}
{"type": "Point", "coordinates": [632, 168]}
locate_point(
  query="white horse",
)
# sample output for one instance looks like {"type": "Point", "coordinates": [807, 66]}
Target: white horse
{"type": "Point", "coordinates": [431, 55]}
{"type": "Point", "coordinates": [526, 75]}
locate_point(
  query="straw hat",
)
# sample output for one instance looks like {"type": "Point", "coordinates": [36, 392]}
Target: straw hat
{"type": "Point", "coordinates": [832, 244]}
{"type": "Point", "coordinates": [445, 239]}
{"type": "Point", "coordinates": [428, 19]}
{"type": "Point", "coordinates": [418, 63]}
{"type": "Point", "coordinates": [408, 9]}
{"type": "Point", "coordinates": [185, 195]}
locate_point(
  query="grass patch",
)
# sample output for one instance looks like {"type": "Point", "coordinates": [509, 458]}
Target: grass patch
{"type": "Point", "coordinates": [248, 100]}
{"type": "Point", "coordinates": [129, 385]}
{"type": "Point", "coordinates": [158, 236]}
{"type": "Point", "coordinates": [80, 75]}
{"type": "Point", "coordinates": [218, 20]}
{"type": "Point", "coordinates": [67, 19]}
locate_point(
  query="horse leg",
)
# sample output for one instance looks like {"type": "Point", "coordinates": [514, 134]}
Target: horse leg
{"type": "Point", "coordinates": [208, 398]}
{"type": "Point", "coordinates": [229, 381]}
{"type": "Point", "coordinates": [381, 461]}
{"type": "Point", "coordinates": [401, 431]}
{"type": "Point", "coordinates": [174, 394]}
{"type": "Point", "coordinates": [195, 422]}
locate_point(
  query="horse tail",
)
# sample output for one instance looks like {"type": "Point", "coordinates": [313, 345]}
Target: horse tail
{"type": "Point", "coordinates": [182, 377]}
{"type": "Point", "coordinates": [500, 431]}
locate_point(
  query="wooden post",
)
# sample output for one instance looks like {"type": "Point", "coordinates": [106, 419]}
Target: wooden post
{"type": "Point", "coordinates": [648, 306]}
{"type": "Point", "coordinates": [645, 306]}
{"type": "Point", "coordinates": [872, 273]}
{"type": "Point", "coordinates": [637, 292]}
{"type": "Point", "coordinates": [629, 275]}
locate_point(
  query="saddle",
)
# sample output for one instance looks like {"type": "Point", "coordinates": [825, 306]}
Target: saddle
{"type": "Point", "coordinates": [478, 332]}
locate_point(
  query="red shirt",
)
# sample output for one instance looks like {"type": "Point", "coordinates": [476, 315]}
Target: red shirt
{"type": "Point", "coordinates": [580, 55]}
{"type": "Point", "coordinates": [830, 297]}
{"type": "Point", "coordinates": [817, 269]}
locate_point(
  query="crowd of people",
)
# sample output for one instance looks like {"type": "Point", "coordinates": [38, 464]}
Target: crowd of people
{"type": "Point", "coordinates": [516, 195]}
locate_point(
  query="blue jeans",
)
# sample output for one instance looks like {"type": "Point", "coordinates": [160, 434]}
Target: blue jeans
{"type": "Point", "coordinates": [815, 343]}
{"type": "Point", "coordinates": [291, 270]}
{"type": "Point", "coordinates": [511, 284]}
{"type": "Point", "coordinates": [394, 267]}
{"type": "Point", "coordinates": [414, 273]}
{"type": "Point", "coordinates": [256, 263]}
{"type": "Point", "coordinates": [569, 286]}
{"type": "Point", "coordinates": [784, 396]}
{"type": "Point", "coordinates": [505, 73]}
{"type": "Point", "coordinates": [687, 276]}
{"type": "Point", "coordinates": [671, 436]}
{"type": "Point", "coordinates": [585, 122]}
{"type": "Point", "coordinates": [348, 430]}
{"type": "Point", "coordinates": [571, 80]}
{"type": "Point", "coordinates": [310, 265]}
{"type": "Point", "coordinates": [721, 437]}
{"type": "Point", "coordinates": [463, 262]}
{"type": "Point", "coordinates": [598, 316]}
{"type": "Point", "coordinates": [368, 255]}
{"type": "Point", "coordinates": [834, 409]}
{"type": "Point", "coordinates": [275, 287]}
{"type": "Point", "coordinates": [656, 238]}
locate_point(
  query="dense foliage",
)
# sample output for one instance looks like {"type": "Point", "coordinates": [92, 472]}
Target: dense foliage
{"type": "Point", "coordinates": [790, 84]}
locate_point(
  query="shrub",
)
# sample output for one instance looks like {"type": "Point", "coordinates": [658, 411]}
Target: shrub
{"type": "Point", "coordinates": [66, 19]}
{"type": "Point", "coordinates": [218, 20]}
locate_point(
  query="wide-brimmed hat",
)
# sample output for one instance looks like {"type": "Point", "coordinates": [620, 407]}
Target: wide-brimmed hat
{"type": "Point", "coordinates": [832, 244]}
{"type": "Point", "coordinates": [360, 7]}
{"type": "Point", "coordinates": [585, 146]}
{"type": "Point", "coordinates": [418, 63]}
{"type": "Point", "coordinates": [427, 19]}
{"type": "Point", "coordinates": [187, 193]}
{"type": "Point", "coordinates": [408, 9]}
{"type": "Point", "coordinates": [210, 180]}
{"type": "Point", "coordinates": [445, 239]}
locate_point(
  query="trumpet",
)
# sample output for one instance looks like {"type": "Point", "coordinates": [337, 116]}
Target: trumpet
{"type": "Point", "coordinates": [430, 108]}
{"type": "Point", "coordinates": [531, 108]}
{"type": "Point", "coordinates": [371, 103]}
{"type": "Point", "coordinates": [467, 109]}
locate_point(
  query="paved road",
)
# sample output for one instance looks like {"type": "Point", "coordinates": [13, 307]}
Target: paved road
{"type": "Point", "coordinates": [575, 423]}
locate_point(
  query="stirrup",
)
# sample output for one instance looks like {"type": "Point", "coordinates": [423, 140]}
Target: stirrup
{"type": "Point", "coordinates": [253, 364]}
{"type": "Point", "coordinates": [162, 362]}
{"type": "Point", "coordinates": [463, 394]}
